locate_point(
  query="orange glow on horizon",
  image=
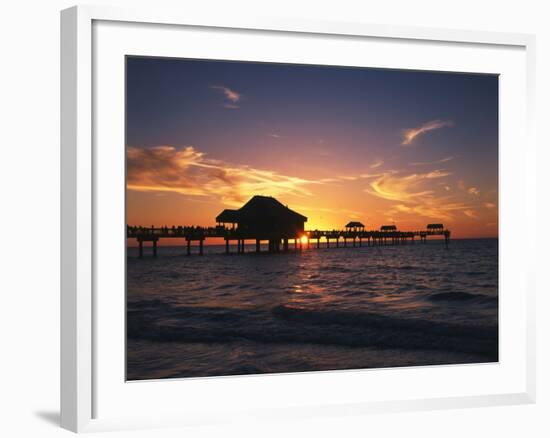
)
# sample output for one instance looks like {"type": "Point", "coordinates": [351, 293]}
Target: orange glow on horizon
{"type": "Point", "coordinates": [169, 186]}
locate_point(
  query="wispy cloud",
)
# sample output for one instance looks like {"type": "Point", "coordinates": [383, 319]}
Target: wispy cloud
{"type": "Point", "coordinates": [429, 163]}
{"type": "Point", "coordinates": [473, 191]}
{"type": "Point", "coordinates": [348, 178]}
{"type": "Point", "coordinates": [376, 164]}
{"type": "Point", "coordinates": [231, 95]}
{"type": "Point", "coordinates": [404, 187]}
{"type": "Point", "coordinates": [378, 174]}
{"type": "Point", "coordinates": [352, 214]}
{"type": "Point", "coordinates": [361, 176]}
{"type": "Point", "coordinates": [190, 172]}
{"type": "Point", "coordinates": [470, 213]}
{"type": "Point", "coordinates": [409, 135]}
{"type": "Point", "coordinates": [431, 208]}
{"type": "Point", "coordinates": [490, 205]}
{"type": "Point", "coordinates": [416, 194]}
{"type": "Point", "coordinates": [274, 135]}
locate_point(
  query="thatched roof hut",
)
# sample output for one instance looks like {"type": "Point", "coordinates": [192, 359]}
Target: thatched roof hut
{"type": "Point", "coordinates": [268, 207]}
{"type": "Point", "coordinates": [433, 227]}
{"type": "Point", "coordinates": [355, 226]}
{"type": "Point", "coordinates": [388, 228]}
{"type": "Point", "coordinates": [264, 216]}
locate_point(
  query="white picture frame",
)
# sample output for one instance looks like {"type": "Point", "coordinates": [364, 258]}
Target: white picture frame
{"type": "Point", "coordinates": [83, 370]}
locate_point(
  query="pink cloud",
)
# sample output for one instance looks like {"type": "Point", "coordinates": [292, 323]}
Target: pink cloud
{"type": "Point", "coordinates": [231, 95]}
{"type": "Point", "coordinates": [409, 135]}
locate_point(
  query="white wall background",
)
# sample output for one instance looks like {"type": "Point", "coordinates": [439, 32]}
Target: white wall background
{"type": "Point", "coordinates": [29, 215]}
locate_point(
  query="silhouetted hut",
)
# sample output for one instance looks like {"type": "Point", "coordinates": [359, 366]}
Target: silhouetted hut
{"type": "Point", "coordinates": [388, 228]}
{"type": "Point", "coordinates": [355, 226]}
{"type": "Point", "coordinates": [263, 217]}
{"type": "Point", "coordinates": [435, 227]}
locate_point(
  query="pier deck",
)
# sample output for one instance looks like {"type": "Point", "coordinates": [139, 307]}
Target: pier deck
{"type": "Point", "coordinates": [281, 243]}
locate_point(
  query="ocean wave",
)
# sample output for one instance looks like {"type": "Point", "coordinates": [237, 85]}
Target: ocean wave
{"type": "Point", "coordinates": [462, 297]}
{"type": "Point", "coordinates": [294, 325]}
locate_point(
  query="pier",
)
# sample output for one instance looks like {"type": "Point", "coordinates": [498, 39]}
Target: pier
{"type": "Point", "coordinates": [265, 220]}
{"type": "Point", "coordinates": [194, 238]}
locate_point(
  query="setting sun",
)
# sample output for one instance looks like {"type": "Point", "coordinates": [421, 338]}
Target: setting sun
{"type": "Point", "coordinates": [304, 239]}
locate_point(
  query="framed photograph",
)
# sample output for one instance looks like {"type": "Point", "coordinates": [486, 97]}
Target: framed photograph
{"type": "Point", "coordinates": [284, 218]}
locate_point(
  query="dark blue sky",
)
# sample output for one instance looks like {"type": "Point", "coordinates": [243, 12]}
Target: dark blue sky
{"type": "Point", "coordinates": [169, 102]}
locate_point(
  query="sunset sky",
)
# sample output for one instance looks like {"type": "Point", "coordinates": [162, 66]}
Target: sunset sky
{"type": "Point", "coordinates": [335, 144]}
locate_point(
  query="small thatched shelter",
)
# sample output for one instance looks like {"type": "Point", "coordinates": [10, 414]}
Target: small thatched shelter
{"type": "Point", "coordinates": [435, 227]}
{"type": "Point", "coordinates": [355, 226]}
{"type": "Point", "coordinates": [388, 228]}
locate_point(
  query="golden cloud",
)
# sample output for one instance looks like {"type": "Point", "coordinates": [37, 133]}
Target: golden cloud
{"type": "Point", "coordinates": [404, 188]}
{"type": "Point", "coordinates": [425, 163]}
{"type": "Point", "coordinates": [431, 208]}
{"type": "Point", "coordinates": [376, 164]}
{"type": "Point", "coordinates": [416, 194]}
{"type": "Point", "coordinates": [189, 172]}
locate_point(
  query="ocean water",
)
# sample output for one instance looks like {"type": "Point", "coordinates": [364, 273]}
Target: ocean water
{"type": "Point", "coordinates": [318, 309]}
